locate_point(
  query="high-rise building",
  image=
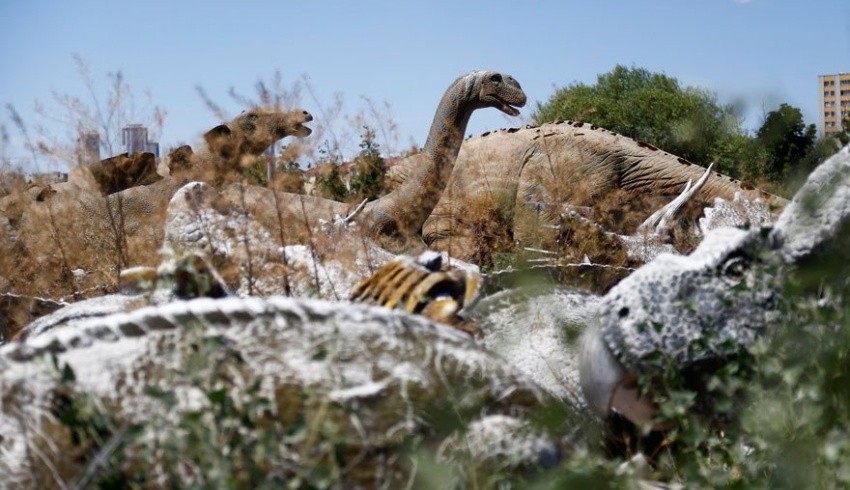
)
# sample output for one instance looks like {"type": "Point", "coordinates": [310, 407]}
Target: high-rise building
{"type": "Point", "coordinates": [134, 137]}
{"type": "Point", "coordinates": [88, 147]}
{"type": "Point", "coordinates": [834, 101]}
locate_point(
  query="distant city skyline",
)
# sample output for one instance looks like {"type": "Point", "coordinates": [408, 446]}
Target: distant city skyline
{"type": "Point", "coordinates": [753, 54]}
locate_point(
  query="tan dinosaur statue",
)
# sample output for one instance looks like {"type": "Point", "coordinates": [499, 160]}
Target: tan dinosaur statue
{"type": "Point", "coordinates": [533, 175]}
{"type": "Point", "coordinates": [79, 239]}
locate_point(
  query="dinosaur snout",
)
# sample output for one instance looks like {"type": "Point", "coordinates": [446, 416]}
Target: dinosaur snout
{"type": "Point", "coordinates": [297, 128]}
{"type": "Point", "coordinates": [607, 385]}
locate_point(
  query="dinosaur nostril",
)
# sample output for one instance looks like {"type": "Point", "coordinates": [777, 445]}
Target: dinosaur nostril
{"type": "Point", "coordinates": [624, 312]}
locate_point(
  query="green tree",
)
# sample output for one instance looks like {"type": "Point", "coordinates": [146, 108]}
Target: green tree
{"type": "Point", "coordinates": [844, 135]}
{"type": "Point", "coordinates": [368, 179]}
{"type": "Point", "coordinates": [331, 185]}
{"type": "Point", "coordinates": [740, 155]}
{"type": "Point", "coordinates": [650, 107]}
{"type": "Point", "coordinates": [288, 176]}
{"type": "Point", "coordinates": [787, 140]}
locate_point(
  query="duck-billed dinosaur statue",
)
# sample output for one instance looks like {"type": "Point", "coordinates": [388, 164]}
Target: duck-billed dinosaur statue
{"type": "Point", "coordinates": [77, 228]}
{"type": "Point", "coordinates": [532, 175]}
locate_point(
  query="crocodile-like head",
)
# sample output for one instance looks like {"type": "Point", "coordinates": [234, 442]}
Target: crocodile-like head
{"type": "Point", "coordinates": [500, 91]}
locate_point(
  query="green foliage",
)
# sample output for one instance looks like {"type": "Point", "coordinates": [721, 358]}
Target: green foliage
{"type": "Point", "coordinates": [844, 135]}
{"type": "Point", "coordinates": [647, 106]}
{"type": "Point", "coordinates": [740, 155]}
{"type": "Point", "coordinates": [775, 416]}
{"type": "Point", "coordinates": [368, 179]}
{"type": "Point", "coordinates": [331, 186]}
{"type": "Point", "coordinates": [787, 139]}
{"type": "Point", "coordinates": [256, 173]}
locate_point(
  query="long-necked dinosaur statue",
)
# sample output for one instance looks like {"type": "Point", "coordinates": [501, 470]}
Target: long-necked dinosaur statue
{"type": "Point", "coordinates": [95, 237]}
{"type": "Point", "coordinates": [531, 176]}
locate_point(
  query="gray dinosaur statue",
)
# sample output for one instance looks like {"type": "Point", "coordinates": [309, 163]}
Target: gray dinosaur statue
{"type": "Point", "coordinates": [369, 372]}
{"type": "Point", "coordinates": [717, 300]}
{"type": "Point", "coordinates": [532, 175]}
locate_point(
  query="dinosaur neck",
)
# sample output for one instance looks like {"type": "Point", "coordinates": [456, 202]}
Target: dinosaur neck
{"type": "Point", "coordinates": [449, 124]}
{"type": "Point", "coordinates": [403, 211]}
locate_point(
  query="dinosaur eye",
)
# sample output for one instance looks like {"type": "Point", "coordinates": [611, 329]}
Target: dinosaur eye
{"type": "Point", "coordinates": [734, 268]}
{"type": "Point", "coordinates": [250, 123]}
{"type": "Point", "coordinates": [496, 78]}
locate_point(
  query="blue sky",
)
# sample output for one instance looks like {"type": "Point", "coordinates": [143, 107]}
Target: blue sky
{"type": "Point", "coordinates": [756, 53]}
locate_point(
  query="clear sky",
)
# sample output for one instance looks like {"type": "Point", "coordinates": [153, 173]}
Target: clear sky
{"type": "Point", "coordinates": [756, 53]}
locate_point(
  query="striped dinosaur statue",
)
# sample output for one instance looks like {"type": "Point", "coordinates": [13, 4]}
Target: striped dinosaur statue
{"type": "Point", "coordinates": [534, 176]}
{"type": "Point", "coordinates": [370, 376]}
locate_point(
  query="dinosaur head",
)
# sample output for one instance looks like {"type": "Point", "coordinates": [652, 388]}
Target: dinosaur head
{"type": "Point", "coordinates": [680, 309]}
{"type": "Point", "coordinates": [697, 310]}
{"type": "Point", "coordinates": [253, 131]}
{"type": "Point", "coordinates": [498, 90]}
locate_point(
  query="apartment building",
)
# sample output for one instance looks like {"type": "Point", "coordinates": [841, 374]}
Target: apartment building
{"type": "Point", "coordinates": [834, 101]}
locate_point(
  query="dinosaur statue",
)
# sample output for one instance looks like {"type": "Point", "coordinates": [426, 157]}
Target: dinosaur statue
{"type": "Point", "coordinates": [255, 260]}
{"type": "Point", "coordinates": [720, 298]}
{"type": "Point", "coordinates": [526, 178]}
{"type": "Point", "coordinates": [123, 229]}
{"type": "Point", "coordinates": [97, 235]}
{"type": "Point", "coordinates": [369, 372]}
{"type": "Point", "coordinates": [117, 173]}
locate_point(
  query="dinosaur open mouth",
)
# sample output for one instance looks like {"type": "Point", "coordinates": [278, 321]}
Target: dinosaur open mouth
{"type": "Point", "coordinates": [301, 131]}
{"type": "Point", "coordinates": [297, 127]}
{"type": "Point", "coordinates": [508, 109]}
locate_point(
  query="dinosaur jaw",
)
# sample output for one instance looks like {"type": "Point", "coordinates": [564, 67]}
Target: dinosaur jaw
{"type": "Point", "coordinates": [301, 131]}
{"type": "Point", "coordinates": [508, 109]}
{"type": "Point", "coordinates": [297, 128]}
{"type": "Point", "coordinates": [607, 385]}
